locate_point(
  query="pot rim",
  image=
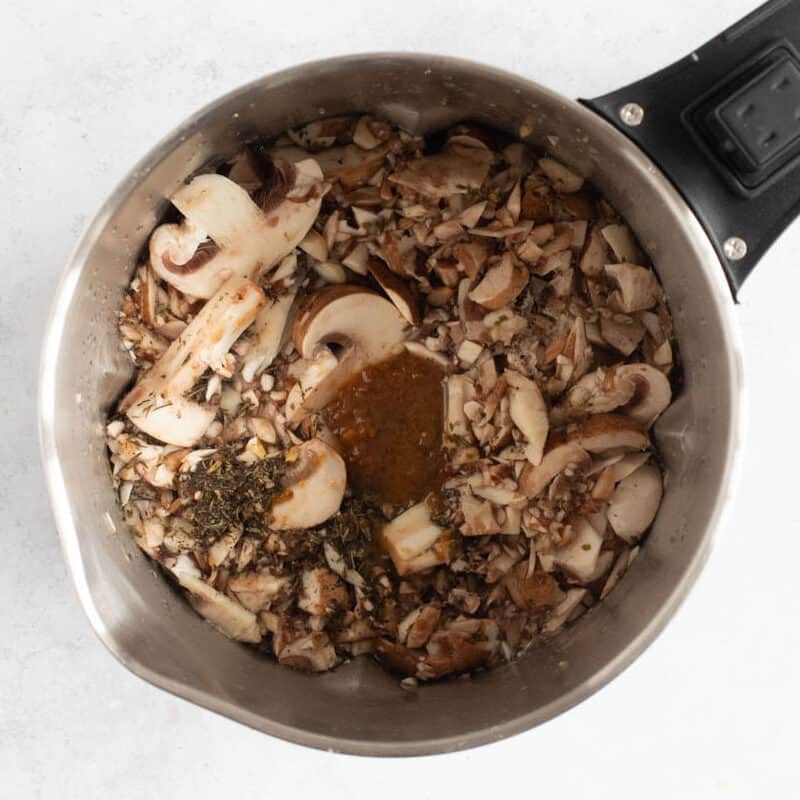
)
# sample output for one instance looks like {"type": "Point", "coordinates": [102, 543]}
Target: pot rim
{"type": "Point", "coordinates": [60, 498]}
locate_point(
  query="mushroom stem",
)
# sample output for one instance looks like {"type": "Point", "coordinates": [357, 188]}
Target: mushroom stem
{"type": "Point", "coordinates": [156, 405]}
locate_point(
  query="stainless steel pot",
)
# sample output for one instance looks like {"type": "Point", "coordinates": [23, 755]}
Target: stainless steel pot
{"type": "Point", "coordinates": [358, 708]}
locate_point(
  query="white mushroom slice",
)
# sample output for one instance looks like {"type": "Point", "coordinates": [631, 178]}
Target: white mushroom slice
{"type": "Point", "coordinates": [579, 557]}
{"type": "Point", "coordinates": [621, 241]}
{"type": "Point", "coordinates": [225, 614]}
{"type": "Point", "coordinates": [322, 592]}
{"type": "Point", "coordinates": [314, 489]}
{"type": "Point", "coordinates": [156, 405]}
{"type": "Point", "coordinates": [652, 392]}
{"type": "Point", "coordinates": [610, 431]}
{"type": "Point", "coordinates": [248, 240]}
{"type": "Point", "coordinates": [529, 413]}
{"type": "Point", "coordinates": [617, 571]}
{"type": "Point", "coordinates": [535, 479]}
{"type": "Point", "coordinates": [267, 335]}
{"type": "Point", "coordinates": [563, 179]}
{"type": "Point", "coordinates": [562, 611]}
{"type": "Point", "coordinates": [633, 506]}
{"type": "Point", "coordinates": [638, 287]}
{"type": "Point", "coordinates": [368, 326]}
{"type": "Point", "coordinates": [254, 590]}
{"type": "Point", "coordinates": [414, 542]}
{"type": "Point", "coordinates": [398, 291]}
{"type": "Point", "coordinates": [442, 175]}
{"type": "Point", "coordinates": [501, 284]}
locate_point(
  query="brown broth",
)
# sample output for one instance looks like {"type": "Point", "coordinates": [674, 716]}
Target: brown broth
{"type": "Point", "coordinates": [388, 420]}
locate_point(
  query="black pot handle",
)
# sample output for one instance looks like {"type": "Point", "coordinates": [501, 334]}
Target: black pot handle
{"type": "Point", "coordinates": [724, 125]}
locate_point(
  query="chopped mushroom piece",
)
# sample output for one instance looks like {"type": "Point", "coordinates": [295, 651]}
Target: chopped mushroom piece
{"type": "Point", "coordinates": [322, 592]}
{"type": "Point", "coordinates": [633, 506]}
{"type": "Point", "coordinates": [415, 542]}
{"type": "Point", "coordinates": [579, 556]}
{"type": "Point", "coordinates": [638, 287]}
{"type": "Point", "coordinates": [268, 335]}
{"type": "Point", "coordinates": [563, 179]}
{"type": "Point", "coordinates": [442, 175]}
{"type": "Point", "coordinates": [224, 614]}
{"type": "Point", "coordinates": [609, 431]}
{"type": "Point", "coordinates": [535, 478]}
{"type": "Point", "coordinates": [157, 404]}
{"type": "Point", "coordinates": [248, 240]}
{"type": "Point", "coordinates": [528, 412]}
{"type": "Point", "coordinates": [500, 285]}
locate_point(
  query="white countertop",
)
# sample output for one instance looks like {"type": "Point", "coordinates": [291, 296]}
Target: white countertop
{"type": "Point", "coordinates": [711, 709]}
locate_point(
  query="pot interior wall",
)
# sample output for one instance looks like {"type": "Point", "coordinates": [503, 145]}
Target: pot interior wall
{"type": "Point", "coordinates": [359, 708]}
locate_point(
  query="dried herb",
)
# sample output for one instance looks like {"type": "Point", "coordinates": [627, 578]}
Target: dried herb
{"type": "Point", "coordinates": [223, 493]}
{"type": "Point", "coordinates": [353, 530]}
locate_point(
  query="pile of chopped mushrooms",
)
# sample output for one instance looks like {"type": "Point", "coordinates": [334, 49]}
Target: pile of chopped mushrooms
{"type": "Point", "coordinates": [297, 271]}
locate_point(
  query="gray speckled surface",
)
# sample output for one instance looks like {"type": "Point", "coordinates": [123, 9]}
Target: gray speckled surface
{"type": "Point", "coordinates": [710, 710]}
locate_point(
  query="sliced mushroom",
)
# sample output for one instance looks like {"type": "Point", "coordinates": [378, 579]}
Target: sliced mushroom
{"type": "Point", "coordinates": [535, 479]}
{"type": "Point", "coordinates": [652, 392]}
{"type": "Point", "coordinates": [638, 290]}
{"type": "Point", "coordinates": [638, 390]}
{"type": "Point", "coordinates": [268, 335]}
{"type": "Point", "coordinates": [633, 506]}
{"type": "Point", "coordinates": [157, 404]}
{"type": "Point", "coordinates": [598, 392]}
{"type": "Point", "coordinates": [501, 284]}
{"type": "Point", "coordinates": [609, 431]}
{"type": "Point", "coordinates": [528, 412]}
{"type": "Point", "coordinates": [401, 293]}
{"type": "Point", "coordinates": [367, 326]}
{"type": "Point", "coordinates": [225, 614]}
{"type": "Point", "coordinates": [314, 487]}
{"type": "Point", "coordinates": [415, 542]}
{"type": "Point", "coordinates": [248, 240]}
